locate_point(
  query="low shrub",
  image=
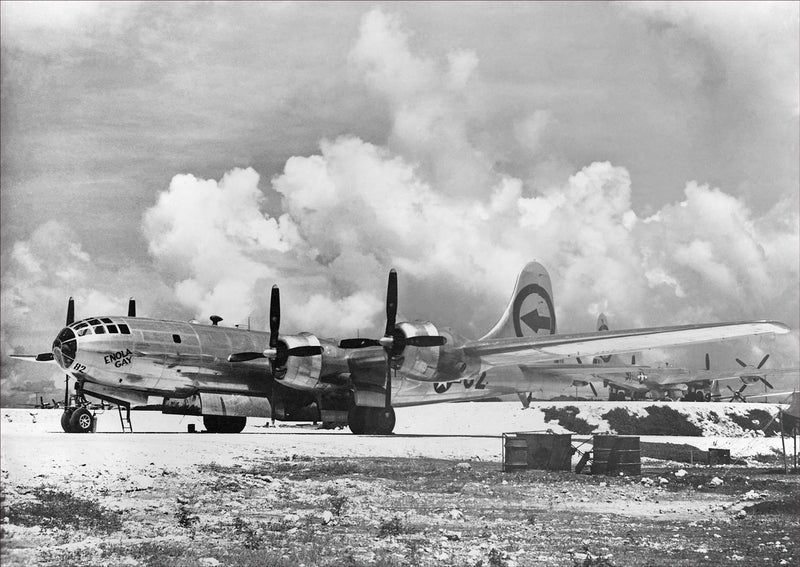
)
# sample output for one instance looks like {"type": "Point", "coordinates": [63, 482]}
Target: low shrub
{"type": "Point", "coordinates": [660, 420]}
{"type": "Point", "coordinates": [59, 509]}
{"type": "Point", "coordinates": [567, 418]}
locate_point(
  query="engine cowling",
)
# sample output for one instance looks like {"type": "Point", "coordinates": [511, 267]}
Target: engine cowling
{"type": "Point", "coordinates": [301, 372]}
{"type": "Point", "coordinates": [419, 363]}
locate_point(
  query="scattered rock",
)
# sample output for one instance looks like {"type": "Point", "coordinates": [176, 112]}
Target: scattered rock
{"type": "Point", "coordinates": [714, 482]}
{"type": "Point", "coordinates": [208, 562]}
{"type": "Point", "coordinates": [680, 474]}
{"type": "Point", "coordinates": [463, 466]}
{"type": "Point", "coordinates": [456, 514]}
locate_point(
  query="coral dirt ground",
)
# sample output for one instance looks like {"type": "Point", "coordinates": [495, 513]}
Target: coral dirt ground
{"type": "Point", "coordinates": [392, 511]}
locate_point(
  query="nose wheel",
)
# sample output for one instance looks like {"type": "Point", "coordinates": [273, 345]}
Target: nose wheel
{"type": "Point", "coordinates": [77, 420]}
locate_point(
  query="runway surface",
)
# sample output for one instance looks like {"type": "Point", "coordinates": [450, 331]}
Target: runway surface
{"type": "Point", "coordinates": [469, 431]}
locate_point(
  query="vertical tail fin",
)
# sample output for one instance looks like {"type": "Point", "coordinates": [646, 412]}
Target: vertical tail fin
{"type": "Point", "coordinates": [530, 310]}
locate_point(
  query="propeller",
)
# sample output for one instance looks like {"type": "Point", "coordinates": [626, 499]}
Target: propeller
{"type": "Point", "coordinates": [393, 340]}
{"type": "Point", "coordinates": [70, 320]}
{"type": "Point", "coordinates": [131, 307]}
{"type": "Point", "coordinates": [276, 351]}
{"type": "Point", "coordinates": [737, 394]}
{"type": "Point", "coordinates": [760, 364]}
{"type": "Point", "coordinates": [708, 362]}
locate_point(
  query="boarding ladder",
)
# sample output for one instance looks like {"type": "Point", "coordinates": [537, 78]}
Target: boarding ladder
{"type": "Point", "coordinates": [125, 420]}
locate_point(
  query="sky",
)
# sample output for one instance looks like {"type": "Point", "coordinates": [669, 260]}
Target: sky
{"type": "Point", "coordinates": [192, 154]}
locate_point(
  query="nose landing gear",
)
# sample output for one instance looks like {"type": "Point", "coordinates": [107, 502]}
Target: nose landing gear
{"type": "Point", "coordinates": [77, 419]}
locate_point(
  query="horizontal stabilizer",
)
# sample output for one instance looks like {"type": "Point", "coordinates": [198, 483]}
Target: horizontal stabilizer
{"type": "Point", "coordinates": [46, 357]}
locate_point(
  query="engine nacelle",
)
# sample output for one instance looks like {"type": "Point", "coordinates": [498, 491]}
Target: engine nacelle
{"type": "Point", "coordinates": [419, 363]}
{"type": "Point", "coordinates": [302, 372]}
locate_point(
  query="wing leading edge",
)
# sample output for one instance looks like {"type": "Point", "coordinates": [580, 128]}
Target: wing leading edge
{"type": "Point", "coordinates": [536, 349]}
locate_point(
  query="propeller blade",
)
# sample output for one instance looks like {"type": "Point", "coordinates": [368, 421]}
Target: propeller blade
{"type": "Point", "coordinates": [358, 343]}
{"type": "Point", "coordinates": [274, 316]}
{"type": "Point", "coordinates": [70, 311]}
{"type": "Point", "coordinates": [44, 357]}
{"type": "Point", "coordinates": [767, 384]}
{"type": "Point", "coordinates": [633, 359]}
{"type": "Point", "coordinates": [245, 356]}
{"type": "Point", "coordinates": [131, 307]}
{"type": "Point", "coordinates": [742, 364]}
{"type": "Point", "coordinates": [594, 391]}
{"type": "Point", "coordinates": [763, 361]}
{"type": "Point", "coordinates": [426, 341]}
{"type": "Point", "coordinates": [388, 401]}
{"type": "Point", "coordinates": [308, 350]}
{"type": "Point", "coordinates": [708, 362]}
{"type": "Point", "coordinates": [578, 358]}
{"type": "Point", "coordinates": [391, 303]}
{"type": "Point", "coordinates": [66, 390]}
{"type": "Point", "coordinates": [731, 389]}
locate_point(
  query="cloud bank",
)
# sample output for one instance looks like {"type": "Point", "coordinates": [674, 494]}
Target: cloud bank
{"type": "Point", "coordinates": [434, 201]}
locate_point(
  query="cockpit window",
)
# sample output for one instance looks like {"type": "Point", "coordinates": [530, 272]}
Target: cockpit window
{"type": "Point", "coordinates": [99, 326]}
{"type": "Point", "coordinates": [64, 348]}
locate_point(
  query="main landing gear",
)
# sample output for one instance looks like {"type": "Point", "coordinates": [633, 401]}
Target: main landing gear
{"type": "Point", "coordinates": [371, 421]}
{"type": "Point", "coordinates": [224, 423]}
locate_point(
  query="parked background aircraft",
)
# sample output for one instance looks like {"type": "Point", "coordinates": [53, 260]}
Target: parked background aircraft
{"type": "Point", "coordinates": [227, 374]}
{"type": "Point", "coordinates": [660, 382]}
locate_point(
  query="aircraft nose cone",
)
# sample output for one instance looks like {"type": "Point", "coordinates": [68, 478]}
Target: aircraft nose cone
{"type": "Point", "coordinates": [65, 347]}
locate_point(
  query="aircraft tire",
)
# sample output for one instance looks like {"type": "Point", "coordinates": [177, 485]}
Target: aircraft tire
{"type": "Point", "coordinates": [699, 396]}
{"type": "Point", "coordinates": [81, 421]}
{"type": "Point", "coordinates": [234, 424]}
{"type": "Point", "coordinates": [381, 421]}
{"type": "Point", "coordinates": [357, 420]}
{"type": "Point", "coordinates": [65, 420]}
{"type": "Point", "coordinates": [224, 424]}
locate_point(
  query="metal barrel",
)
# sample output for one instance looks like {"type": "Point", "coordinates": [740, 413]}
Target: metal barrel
{"type": "Point", "coordinates": [545, 451]}
{"type": "Point", "coordinates": [515, 452]}
{"type": "Point", "coordinates": [612, 454]}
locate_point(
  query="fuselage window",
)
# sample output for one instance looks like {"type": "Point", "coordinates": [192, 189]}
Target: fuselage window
{"type": "Point", "coordinates": [99, 330]}
{"type": "Point", "coordinates": [123, 328]}
{"type": "Point", "coordinates": [176, 338]}
{"type": "Point", "coordinates": [83, 331]}
{"type": "Point", "coordinates": [81, 325]}
{"type": "Point", "coordinates": [112, 329]}
{"type": "Point", "coordinates": [94, 322]}
{"type": "Point", "coordinates": [106, 320]}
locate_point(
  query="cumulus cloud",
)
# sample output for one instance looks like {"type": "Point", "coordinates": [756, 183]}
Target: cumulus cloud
{"type": "Point", "coordinates": [756, 42]}
{"type": "Point", "coordinates": [434, 202]}
{"type": "Point", "coordinates": [355, 209]}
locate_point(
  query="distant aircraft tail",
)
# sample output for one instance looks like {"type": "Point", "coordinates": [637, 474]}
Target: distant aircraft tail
{"type": "Point", "coordinates": [530, 310]}
{"type": "Point", "coordinates": [602, 325]}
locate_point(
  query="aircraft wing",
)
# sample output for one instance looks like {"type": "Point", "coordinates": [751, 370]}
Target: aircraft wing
{"type": "Point", "coordinates": [547, 348]}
